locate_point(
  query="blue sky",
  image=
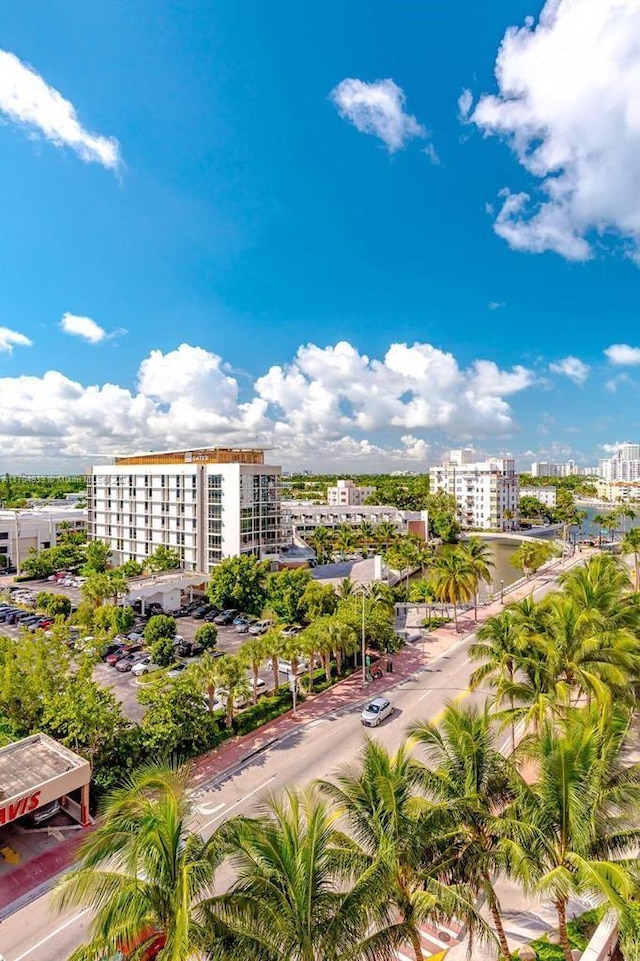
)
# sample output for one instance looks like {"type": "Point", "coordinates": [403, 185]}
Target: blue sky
{"type": "Point", "coordinates": [257, 205]}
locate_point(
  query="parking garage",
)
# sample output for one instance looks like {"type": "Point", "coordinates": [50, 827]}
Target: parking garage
{"type": "Point", "coordinates": [39, 777]}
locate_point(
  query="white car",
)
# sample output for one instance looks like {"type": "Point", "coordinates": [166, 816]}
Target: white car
{"type": "Point", "coordinates": [291, 630]}
{"type": "Point", "coordinates": [260, 627]}
{"type": "Point", "coordinates": [241, 701]}
{"type": "Point", "coordinates": [284, 667]}
{"type": "Point", "coordinates": [145, 666]}
{"type": "Point", "coordinates": [376, 711]}
{"type": "Point", "coordinates": [177, 670]}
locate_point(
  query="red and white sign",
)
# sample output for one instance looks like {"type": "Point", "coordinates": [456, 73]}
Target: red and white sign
{"type": "Point", "coordinates": [16, 809]}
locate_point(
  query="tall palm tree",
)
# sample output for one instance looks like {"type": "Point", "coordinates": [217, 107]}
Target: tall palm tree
{"type": "Point", "coordinates": [382, 803]}
{"type": "Point", "coordinates": [345, 540]}
{"type": "Point", "coordinates": [144, 872]}
{"type": "Point", "coordinates": [274, 647]}
{"type": "Point", "coordinates": [422, 592]}
{"type": "Point", "coordinates": [253, 653]}
{"type": "Point", "coordinates": [300, 892]}
{"type": "Point", "coordinates": [206, 675]}
{"type": "Point", "coordinates": [345, 588]}
{"type": "Point", "coordinates": [480, 565]}
{"type": "Point", "coordinates": [602, 521]}
{"type": "Point", "coordinates": [386, 534]}
{"type": "Point", "coordinates": [602, 586]}
{"type": "Point", "coordinates": [468, 777]}
{"type": "Point", "coordinates": [231, 678]}
{"type": "Point", "coordinates": [452, 579]}
{"type": "Point", "coordinates": [366, 534]}
{"type": "Point", "coordinates": [631, 545]}
{"type": "Point", "coordinates": [320, 540]}
{"type": "Point", "coordinates": [582, 807]}
{"type": "Point", "coordinates": [501, 647]}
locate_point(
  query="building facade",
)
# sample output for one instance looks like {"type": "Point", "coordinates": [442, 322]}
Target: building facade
{"type": "Point", "coordinates": [35, 528]}
{"type": "Point", "coordinates": [619, 490]}
{"type": "Point", "coordinates": [348, 494]}
{"type": "Point", "coordinates": [301, 518]}
{"type": "Point", "coordinates": [209, 504]}
{"type": "Point", "coordinates": [623, 465]}
{"type": "Point", "coordinates": [486, 492]}
{"type": "Point", "coordinates": [546, 495]}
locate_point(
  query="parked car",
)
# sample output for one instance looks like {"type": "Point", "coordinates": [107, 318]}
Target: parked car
{"type": "Point", "coordinates": [226, 617]}
{"type": "Point", "coordinates": [201, 612]}
{"type": "Point", "coordinates": [144, 666]}
{"type": "Point", "coordinates": [260, 627]}
{"type": "Point", "coordinates": [189, 649]}
{"type": "Point", "coordinates": [12, 615]}
{"type": "Point", "coordinates": [211, 615]}
{"type": "Point", "coordinates": [177, 669]}
{"type": "Point", "coordinates": [242, 624]}
{"type": "Point", "coordinates": [5, 614]}
{"type": "Point", "coordinates": [291, 630]}
{"type": "Point", "coordinates": [112, 659]}
{"type": "Point", "coordinates": [241, 701]}
{"type": "Point", "coordinates": [40, 814]}
{"type": "Point", "coordinates": [113, 648]}
{"type": "Point", "coordinates": [135, 636]}
{"type": "Point", "coordinates": [284, 667]}
{"type": "Point", "coordinates": [376, 711]}
{"type": "Point", "coordinates": [126, 663]}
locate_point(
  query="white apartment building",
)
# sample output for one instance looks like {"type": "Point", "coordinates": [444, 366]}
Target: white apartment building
{"type": "Point", "coordinates": [546, 495]}
{"type": "Point", "coordinates": [209, 503]}
{"type": "Point", "coordinates": [486, 491]}
{"type": "Point", "coordinates": [348, 494]}
{"type": "Point", "coordinates": [619, 490]}
{"type": "Point", "coordinates": [37, 528]}
{"type": "Point", "coordinates": [623, 465]}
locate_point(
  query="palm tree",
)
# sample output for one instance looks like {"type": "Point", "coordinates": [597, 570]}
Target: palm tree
{"type": "Point", "coordinates": [206, 675]}
{"type": "Point", "coordinates": [601, 585]}
{"type": "Point", "coordinates": [631, 545]}
{"type": "Point", "coordinates": [119, 584]}
{"type": "Point", "coordinates": [452, 579]}
{"type": "Point", "coordinates": [144, 873]}
{"type": "Point", "coordinates": [602, 521]}
{"type": "Point", "coordinates": [380, 801]}
{"type": "Point", "coordinates": [366, 533]}
{"type": "Point", "coordinates": [480, 564]}
{"type": "Point", "coordinates": [320, 540]}
{"type": "Point", "coordinates": [345, 588]}
{"type": "Point", "coordinates": [230, 670]}
{"type": "Point", "coordinates": [501, 648]}
{"type": "Point", "coordinates": [422, 592]}
{"type": "Point", "coordinates": [468, 777]}
{"type": "Point", "coordinates": [582, 807]}
{"type": "Point", "coordinates": [300, 893]}
{"type": "Point", "coordinates": [345, 540]}
{"type": "Point", "coordinates": [253, 653]}
{"type": "Point", "coordinates": [274, 646]}
{"type": "Point", "coordinates": [386, 533]}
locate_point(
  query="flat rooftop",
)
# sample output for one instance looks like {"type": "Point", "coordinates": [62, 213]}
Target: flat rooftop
{"type": "Point", "coordinates": [196, 455]}
{"type": "Point", "coordinates": [31, 762]}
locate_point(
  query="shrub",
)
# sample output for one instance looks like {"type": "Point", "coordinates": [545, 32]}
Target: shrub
{"type": "Point", "coordinates": [265, 710]}
{"type": "Point", "coordinates": [207, 635]}
{"type": "Point", "coordinates": [159, 626]}
{"type": "Point", "coordinates": [162, 651]}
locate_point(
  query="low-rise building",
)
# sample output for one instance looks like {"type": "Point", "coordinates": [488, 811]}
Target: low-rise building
{"type": "Point", "coordinates": [36, 528]}
{"type": "Point", "coordinates": [301, 518]}
{"type": "Point", "coordinates": [348, 494]}
{"type": "Point", "coordinates": [619, 490]}
{"type": "Point", "coordinates": [486, 492]}
{"type": "Point", "coordinates": [546, 495]}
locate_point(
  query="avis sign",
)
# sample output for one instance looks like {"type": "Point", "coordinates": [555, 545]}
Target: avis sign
{"type": "Point", "coordinates": [24, 805]}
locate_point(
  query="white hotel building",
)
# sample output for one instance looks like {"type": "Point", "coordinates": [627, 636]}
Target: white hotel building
{"type": "Point", "coordinates": [486, 492]}
{"type": "Point", "coordinates": [209, 503]}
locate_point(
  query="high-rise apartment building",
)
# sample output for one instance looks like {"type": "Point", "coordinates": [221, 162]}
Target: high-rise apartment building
{"type": "Point", "coordinates": [209, 503]}
{"type": "Point", "coordinates": [623, 465]}
{"type": "Point", "coordinates": [486, 491]}
{"type": "Point", "coordinates": [347, 494]}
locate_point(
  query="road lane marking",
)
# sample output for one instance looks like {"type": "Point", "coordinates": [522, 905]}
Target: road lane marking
{"type": "Point", "coordinates": [426, 694]}
{"type": "Point", "coordinates": [234, 805]}
{"type": "Point", "coordinates": [206, 810]}
{"type": "Point", "coordinates": [52, 934]}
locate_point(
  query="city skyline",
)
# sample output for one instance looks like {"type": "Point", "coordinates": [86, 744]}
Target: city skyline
{"type": "Point", "coordinates": [238, 227]}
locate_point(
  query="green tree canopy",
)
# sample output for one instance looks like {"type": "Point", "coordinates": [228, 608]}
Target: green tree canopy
{"type": "Point", "coordinates": [286, 592]}
{"type": "Point", "coordinates": [239, 582]}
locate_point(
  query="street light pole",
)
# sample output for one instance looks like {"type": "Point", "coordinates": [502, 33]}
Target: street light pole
{"type": "Point", "coordinates": [364, 666]}
{"type": "Point", "coordinates": [502, 592]}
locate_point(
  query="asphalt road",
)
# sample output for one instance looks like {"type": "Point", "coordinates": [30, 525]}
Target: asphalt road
{"type": "Point", "coordinates": [315, 750]}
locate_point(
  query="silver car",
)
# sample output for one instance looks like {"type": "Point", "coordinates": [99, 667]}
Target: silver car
{"type": "Point", "coordinates": [376, 711]}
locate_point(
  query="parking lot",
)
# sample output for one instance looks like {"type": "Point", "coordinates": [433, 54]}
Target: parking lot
{"type": "Point", "coordinates": [123, 684]}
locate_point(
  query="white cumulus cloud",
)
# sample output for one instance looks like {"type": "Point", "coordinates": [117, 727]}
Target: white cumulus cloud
{"type": "Point", "coordinates": [378, 108]}
{"type": "Point", "coordinates": [27, 100]}
{"type": "Point", "coordinates": [568, 105]}
{"type": "Point", "coordinates": [11, 338]}
{"type": "Point", "coordinates": [327, 407]}
{"type": "Point", "coordinates": [571, 367]}
{"type": "Point", "coordinates": [87, 329]}
{"type": "Point", "coordinates": [623, 355]}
